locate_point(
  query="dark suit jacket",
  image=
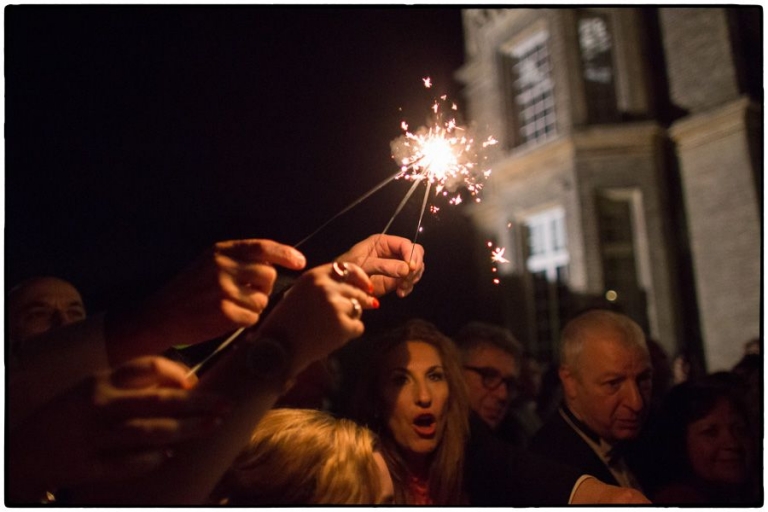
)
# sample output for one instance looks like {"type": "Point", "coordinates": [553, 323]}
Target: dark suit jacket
{"type": "Point", "coordinates": [499, 474]}
{"type": "Point", "coordinates": [557, 441]}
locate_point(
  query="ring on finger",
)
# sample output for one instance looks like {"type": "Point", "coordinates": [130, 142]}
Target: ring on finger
{"type": "Point", "coordinates": [357, 309]}
{"type": "Point", "coordinates": [340, 271]}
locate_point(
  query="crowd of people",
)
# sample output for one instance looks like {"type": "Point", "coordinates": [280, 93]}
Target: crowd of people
{"type": "Point", "coordinates": [106, 409]}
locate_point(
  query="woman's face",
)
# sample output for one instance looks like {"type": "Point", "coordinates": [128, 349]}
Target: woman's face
{"type": "Point", "coordinates": [415, 392]}
{"type": "Point", "coordinates": [717, 445]}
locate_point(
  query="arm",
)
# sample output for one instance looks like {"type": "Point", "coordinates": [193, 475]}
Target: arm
{"type": "Point", "coordinates": [313, 319]}
{"type": "Point", "coordinates": [225, 288]}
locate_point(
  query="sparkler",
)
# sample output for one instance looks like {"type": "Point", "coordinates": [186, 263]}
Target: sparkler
{"type": "Point", "coordinates": [442, 154]}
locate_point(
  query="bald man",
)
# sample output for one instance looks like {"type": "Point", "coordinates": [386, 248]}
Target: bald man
{"type": "Point", "coordinates": [605, 369]}
{"type": "Point", "coordinates": [39, 305]}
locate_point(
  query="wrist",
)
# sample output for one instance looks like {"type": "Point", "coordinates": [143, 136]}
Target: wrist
{"type": "Point", "coordinates": [269, 359]}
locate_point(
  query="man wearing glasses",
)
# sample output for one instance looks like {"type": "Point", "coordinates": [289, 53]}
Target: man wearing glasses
{"type": "Point", "coordinates": [497, 472]}
{"type": "Point", "coordinates": [491, 358]}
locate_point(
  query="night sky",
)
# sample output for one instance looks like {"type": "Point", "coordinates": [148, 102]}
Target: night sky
{"type": "Point", "coordinates": [138, 136]}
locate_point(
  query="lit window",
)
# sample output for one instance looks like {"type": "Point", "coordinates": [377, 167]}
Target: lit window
{"type": "Point", "coordinates": [530, 76]}
{"type": "Point", "coordinates": [597, 66]}
{"type": "Point", "coordinates": [547, 245]}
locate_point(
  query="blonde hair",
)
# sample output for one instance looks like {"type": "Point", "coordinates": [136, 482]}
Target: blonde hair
{"type": "Point", "coordinates": [304, 457]}
{"type": "Point", "coordinates": [447, 463]}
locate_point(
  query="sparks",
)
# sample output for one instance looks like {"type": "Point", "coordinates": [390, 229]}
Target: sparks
{"type": "Point", "coordinates": [443, 152]}
{"type": "Point", "coordinates": [497, 255]}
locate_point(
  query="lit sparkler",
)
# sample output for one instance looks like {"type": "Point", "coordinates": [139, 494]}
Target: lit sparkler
{"type": "Point", "coordinates": [443, 154]}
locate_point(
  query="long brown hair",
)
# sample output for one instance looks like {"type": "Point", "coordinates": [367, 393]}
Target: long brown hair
{"type": "Point", "coordinates": [447, 463]}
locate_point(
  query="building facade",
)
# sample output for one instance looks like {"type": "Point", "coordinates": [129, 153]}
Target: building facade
{"type": "Point", "coordinates": [629, 171]}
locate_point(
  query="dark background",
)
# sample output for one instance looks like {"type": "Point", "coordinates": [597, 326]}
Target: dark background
{"type": "Point", "coordinates": [138, 136]}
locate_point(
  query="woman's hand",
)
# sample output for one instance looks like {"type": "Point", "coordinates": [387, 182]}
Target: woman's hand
{"type": "Point", "coordinates": [321, 312]}
{"type": "Point", "coordinates": [114, 425]}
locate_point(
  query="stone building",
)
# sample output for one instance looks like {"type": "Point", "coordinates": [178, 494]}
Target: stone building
{"type": "Point", "coordinates": [629, 171]}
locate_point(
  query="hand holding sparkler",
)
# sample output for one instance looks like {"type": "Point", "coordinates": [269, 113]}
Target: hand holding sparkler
{"type": "Point", "coordinates": [392, 262]}
{"type": "Point", "coordinates": [113, 425]}
{"type": "Point", "coordinates": [319, 314]}
{"type": "Point", "coordinates": [227, 287]}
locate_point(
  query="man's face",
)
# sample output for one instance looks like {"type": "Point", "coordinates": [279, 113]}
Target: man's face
{"type": "Point", "coordinates": [611, 388]}
{"type": "Point", "coordinates": [43, 305]}
{"type": "Point", "coordinates": [485, 367]}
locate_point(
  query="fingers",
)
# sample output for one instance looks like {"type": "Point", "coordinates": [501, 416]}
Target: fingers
{"type": "Point", "coordinates": [351, 274]}
{"type": "Point", "coordinates": [263, 251]}
{"type": "Point", "coordinates": [396, 263]}
{"type": "Point", "coordinates": [405, 286]}
{"type": "Point", "coordinates": [150, 371]}
{"type": "Point", "coordinates": [245, 287]}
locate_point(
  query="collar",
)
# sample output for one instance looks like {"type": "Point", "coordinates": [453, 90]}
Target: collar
{"type": "Point", "coordinates": [609, 452]}
{"type": "Point", "coordinates": [581, 425]}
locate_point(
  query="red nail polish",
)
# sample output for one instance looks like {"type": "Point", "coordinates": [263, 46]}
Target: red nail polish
{"type": "Point", "coordinates": [370, 288]}
{"type": "Point", "coordinates": [376, 304]}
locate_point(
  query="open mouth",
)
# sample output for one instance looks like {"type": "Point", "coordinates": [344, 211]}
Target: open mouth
{"type": "Point", "coordinates": [425, 425]}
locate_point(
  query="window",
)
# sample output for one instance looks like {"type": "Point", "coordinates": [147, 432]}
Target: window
{"type": "Point", "coordinates": [596, 48]}
{"type": "Point", "coordinates": [532, 104]}
{"type": "Point", "coordinates": [618, 212]}
{"type": "Point", "coordinates": [547, 250]}
{"type": "Point", "coordinates": [547, 263]}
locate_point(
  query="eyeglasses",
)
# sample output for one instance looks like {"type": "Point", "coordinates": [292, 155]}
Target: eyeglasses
{"type": "Point", "coordinates": [492, 379]}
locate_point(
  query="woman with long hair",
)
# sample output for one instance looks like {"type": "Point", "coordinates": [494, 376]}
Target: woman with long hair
{"type": "Point", "coordinates": [412, 394]}
{"type": "Point", "coordinates": [415, 398]}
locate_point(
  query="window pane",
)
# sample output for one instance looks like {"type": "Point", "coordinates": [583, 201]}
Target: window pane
{"type": "Point", "coordinates": [597, 67]}
{"type": "Point", "coordinates": [533, 90]}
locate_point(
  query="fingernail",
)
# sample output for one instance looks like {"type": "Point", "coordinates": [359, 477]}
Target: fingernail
{"type": "Point", "coordinates": [370, 288]}
{"type": "Point", "coordinates": [376, 304]}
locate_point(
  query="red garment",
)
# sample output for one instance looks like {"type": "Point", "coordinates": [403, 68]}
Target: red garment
{"type": "Point", "coordinates": [419, 489]}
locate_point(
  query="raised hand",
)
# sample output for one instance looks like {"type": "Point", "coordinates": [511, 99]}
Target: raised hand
{"type": "Point", "coordinates": [321, 312]}
{"type": "Point", "coordinates": [227, 287]}
{"type": "Point", "coordinates": [114, 425]}
{"type": "Point", "coordinates": [392, 262]}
